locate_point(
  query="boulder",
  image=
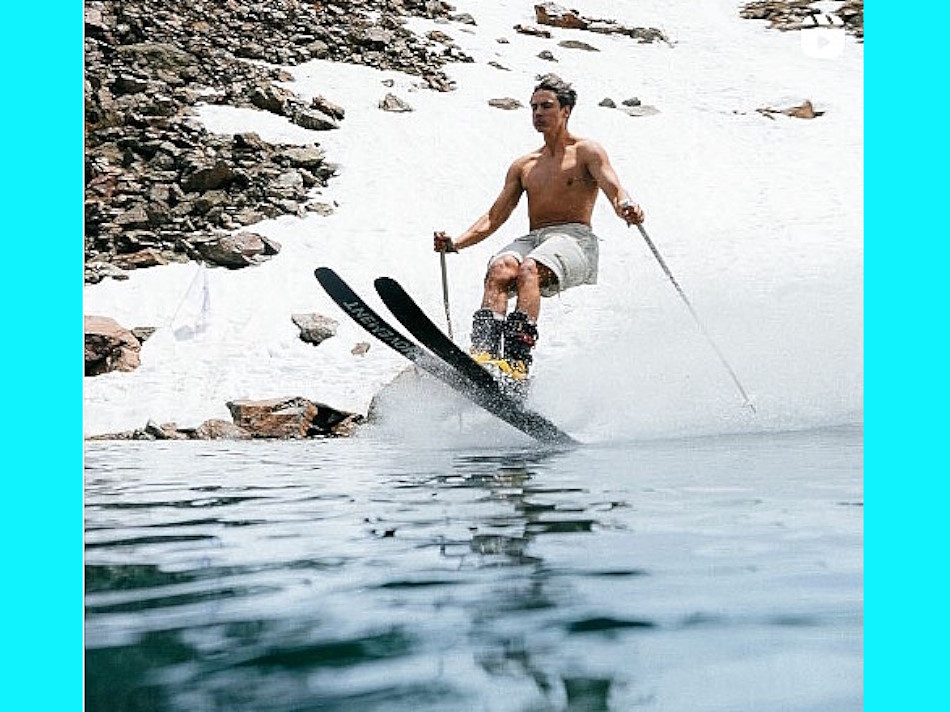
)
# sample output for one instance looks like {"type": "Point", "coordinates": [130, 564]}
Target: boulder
{"type": "Point", "coordinates": [391, 102]}
{"type": "Point", "coordinates": [508, 103]}
{"type": "Point", "coordinates": [291, 418]}
{"type": "Point", "coordinates": [207, 176]}
{"type": "Point", "coordinates": [274, 418]}
{"type": "Point", "coordinates": [552, 14]}
{"type": "Point", "coordinates": [314, 120]}
{"type": "Point", "coordinates": [216, 429]}
{"type": "Point", "coordinates": [165, 431]}
{"type": "Point", "coordinates": [108, 346]}
{"type": "Point", "coordinates": [805, 110]}
{"type": "Point", "coordinates": [315, 328]}
{"type": "Point", "coordinates": [274, 99]}
{"type": "Point", "coordinates": [532, 31]}
{"type": "Point", "coordinates": [310, 157]}
{"type": "Point", "coordinates": [325, 106]}
{"type": "Point", "coordinates": [148, 257]}
{"type": "Point", "coordinates": [236, 251]}
{"type": "Point", "coordinates": [577, 44]}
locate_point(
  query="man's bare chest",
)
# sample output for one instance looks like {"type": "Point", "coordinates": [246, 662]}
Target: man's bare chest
{"type": "Point", "coordinates": [558, 173]}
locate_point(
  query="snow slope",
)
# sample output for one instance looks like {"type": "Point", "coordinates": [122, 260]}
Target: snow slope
{"type": "Point", "coordinates": [760, 220]}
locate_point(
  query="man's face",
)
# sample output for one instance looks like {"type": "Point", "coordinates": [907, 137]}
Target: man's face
{"type": "Point", "coordinates": [546, 112]}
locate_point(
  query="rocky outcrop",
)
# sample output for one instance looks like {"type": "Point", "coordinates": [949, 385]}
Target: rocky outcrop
{"type": "Point", "coordinates": [791, 15]}
{"type": "Point", "coordinates": [109, 346]}
{"type": "Point", "coordinates": [156, 180]}
{"type": "Point", "coordinates": [553, 15]}
{"type": "Point", "coordinates": [278, 418]}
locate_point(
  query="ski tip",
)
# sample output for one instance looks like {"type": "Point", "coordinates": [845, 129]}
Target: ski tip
{"type": "Point", "coordinates": [327, 277]}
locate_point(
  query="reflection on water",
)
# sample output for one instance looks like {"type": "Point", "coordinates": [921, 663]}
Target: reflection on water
{"type": "Point", "coordinates": [348, 577]}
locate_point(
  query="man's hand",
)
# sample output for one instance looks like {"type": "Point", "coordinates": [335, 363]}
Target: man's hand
{"type": "Point", "coordinates": [444, 243]}
{"type": "Point", "coordinates": [630, 212]}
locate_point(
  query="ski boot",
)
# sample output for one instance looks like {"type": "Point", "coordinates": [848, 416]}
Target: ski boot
{"type": "Point", "coordinates": [487, 329]}
{"type": "Point", "coordinates": [521, 334]}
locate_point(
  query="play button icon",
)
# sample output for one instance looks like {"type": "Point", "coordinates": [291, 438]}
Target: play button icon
{"type": "Point", "coordinates": [822, 42]}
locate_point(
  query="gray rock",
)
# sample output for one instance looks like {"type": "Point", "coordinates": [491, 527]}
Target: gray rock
{"type": "Point", "coordinates": [507, 103]}
{"type": "Point", "coordinates": [142, 333]}
{"type": "Point", "coordinates": [147, 65]}
{"type": "Point", "coordinates": [325, 106]}
{"type": "Point", "coordinates": [232, 251]}
{"type": "Point", "coordinates": [577, 44]}
{"type": "Point", "coordinates": [314, 120]}
{"type": "Point", "coordinates": [643, 110]}
{"type": "Point", "coordinates": [393, 103]}
{"type": "Point", "coordinates": [207, 177]}
{"type": "Point", "coordinates": [216, 429]}
{"type": "Point", "coordinates": [95, 272]}
{"type": "Point", "coordinates": [532, 31]}
{"type": "Point", "coordinates": [315, 328]}
{"type": "Point", "coordinates": [274, 99]}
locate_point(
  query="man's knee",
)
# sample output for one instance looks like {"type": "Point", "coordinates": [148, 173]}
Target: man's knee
{"type": "Point", "coordinates": [530, 270]}
{"type": "Point", "coordinates": [502, 270]}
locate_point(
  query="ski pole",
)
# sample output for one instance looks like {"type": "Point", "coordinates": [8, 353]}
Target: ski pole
{"type": "Point", "coordinates": [659, 258]}
{"type": "Point", "coordinates": [445, 295]}
{"type": "Point", "coordinates": [448, 314]}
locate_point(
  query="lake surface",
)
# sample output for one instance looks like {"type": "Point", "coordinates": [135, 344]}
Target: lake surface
{"type": "Point", "coordinates": [720, 573]}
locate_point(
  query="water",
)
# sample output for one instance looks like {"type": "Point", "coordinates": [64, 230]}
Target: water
{"type": "Point", "coordinates": [720, 573]}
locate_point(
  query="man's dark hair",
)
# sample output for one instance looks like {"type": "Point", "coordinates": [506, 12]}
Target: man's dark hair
{"type": "Point", "coordinates": [566, 96]}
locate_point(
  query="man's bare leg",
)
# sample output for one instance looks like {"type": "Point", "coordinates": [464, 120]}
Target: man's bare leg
{"type": "Point", "coordinates": [502, 274]}
{"type": "Point", "coordinates": [489, 321]}
{"type": "Point", "coordinates": [521, 330]}
{"type": "Point", "coordinates": [520, 327]}
{"type": "Point", "coordinates": [531, 277]}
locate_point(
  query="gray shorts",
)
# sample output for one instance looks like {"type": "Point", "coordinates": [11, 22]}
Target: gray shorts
{"type": "Point", "coordinates": [570, 251]}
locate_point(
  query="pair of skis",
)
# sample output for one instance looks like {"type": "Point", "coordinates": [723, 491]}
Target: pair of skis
{"type": "Point", "coordinates": [441, 357]}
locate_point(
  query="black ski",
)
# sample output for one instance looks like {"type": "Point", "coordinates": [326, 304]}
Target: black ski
{"type": "Point", "coordinates": [504, 408]}
{"type": "Point", "coordinates": [411, 316]}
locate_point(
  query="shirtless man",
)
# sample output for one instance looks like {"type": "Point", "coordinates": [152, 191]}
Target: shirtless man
{"type": "Point", "coordinates": [561, 179]}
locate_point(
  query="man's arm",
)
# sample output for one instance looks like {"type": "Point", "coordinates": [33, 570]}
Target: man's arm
{"type": "Point", "coordinates": [595, 157]}
{"type": "Point", "coordinates": [496, 216]}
